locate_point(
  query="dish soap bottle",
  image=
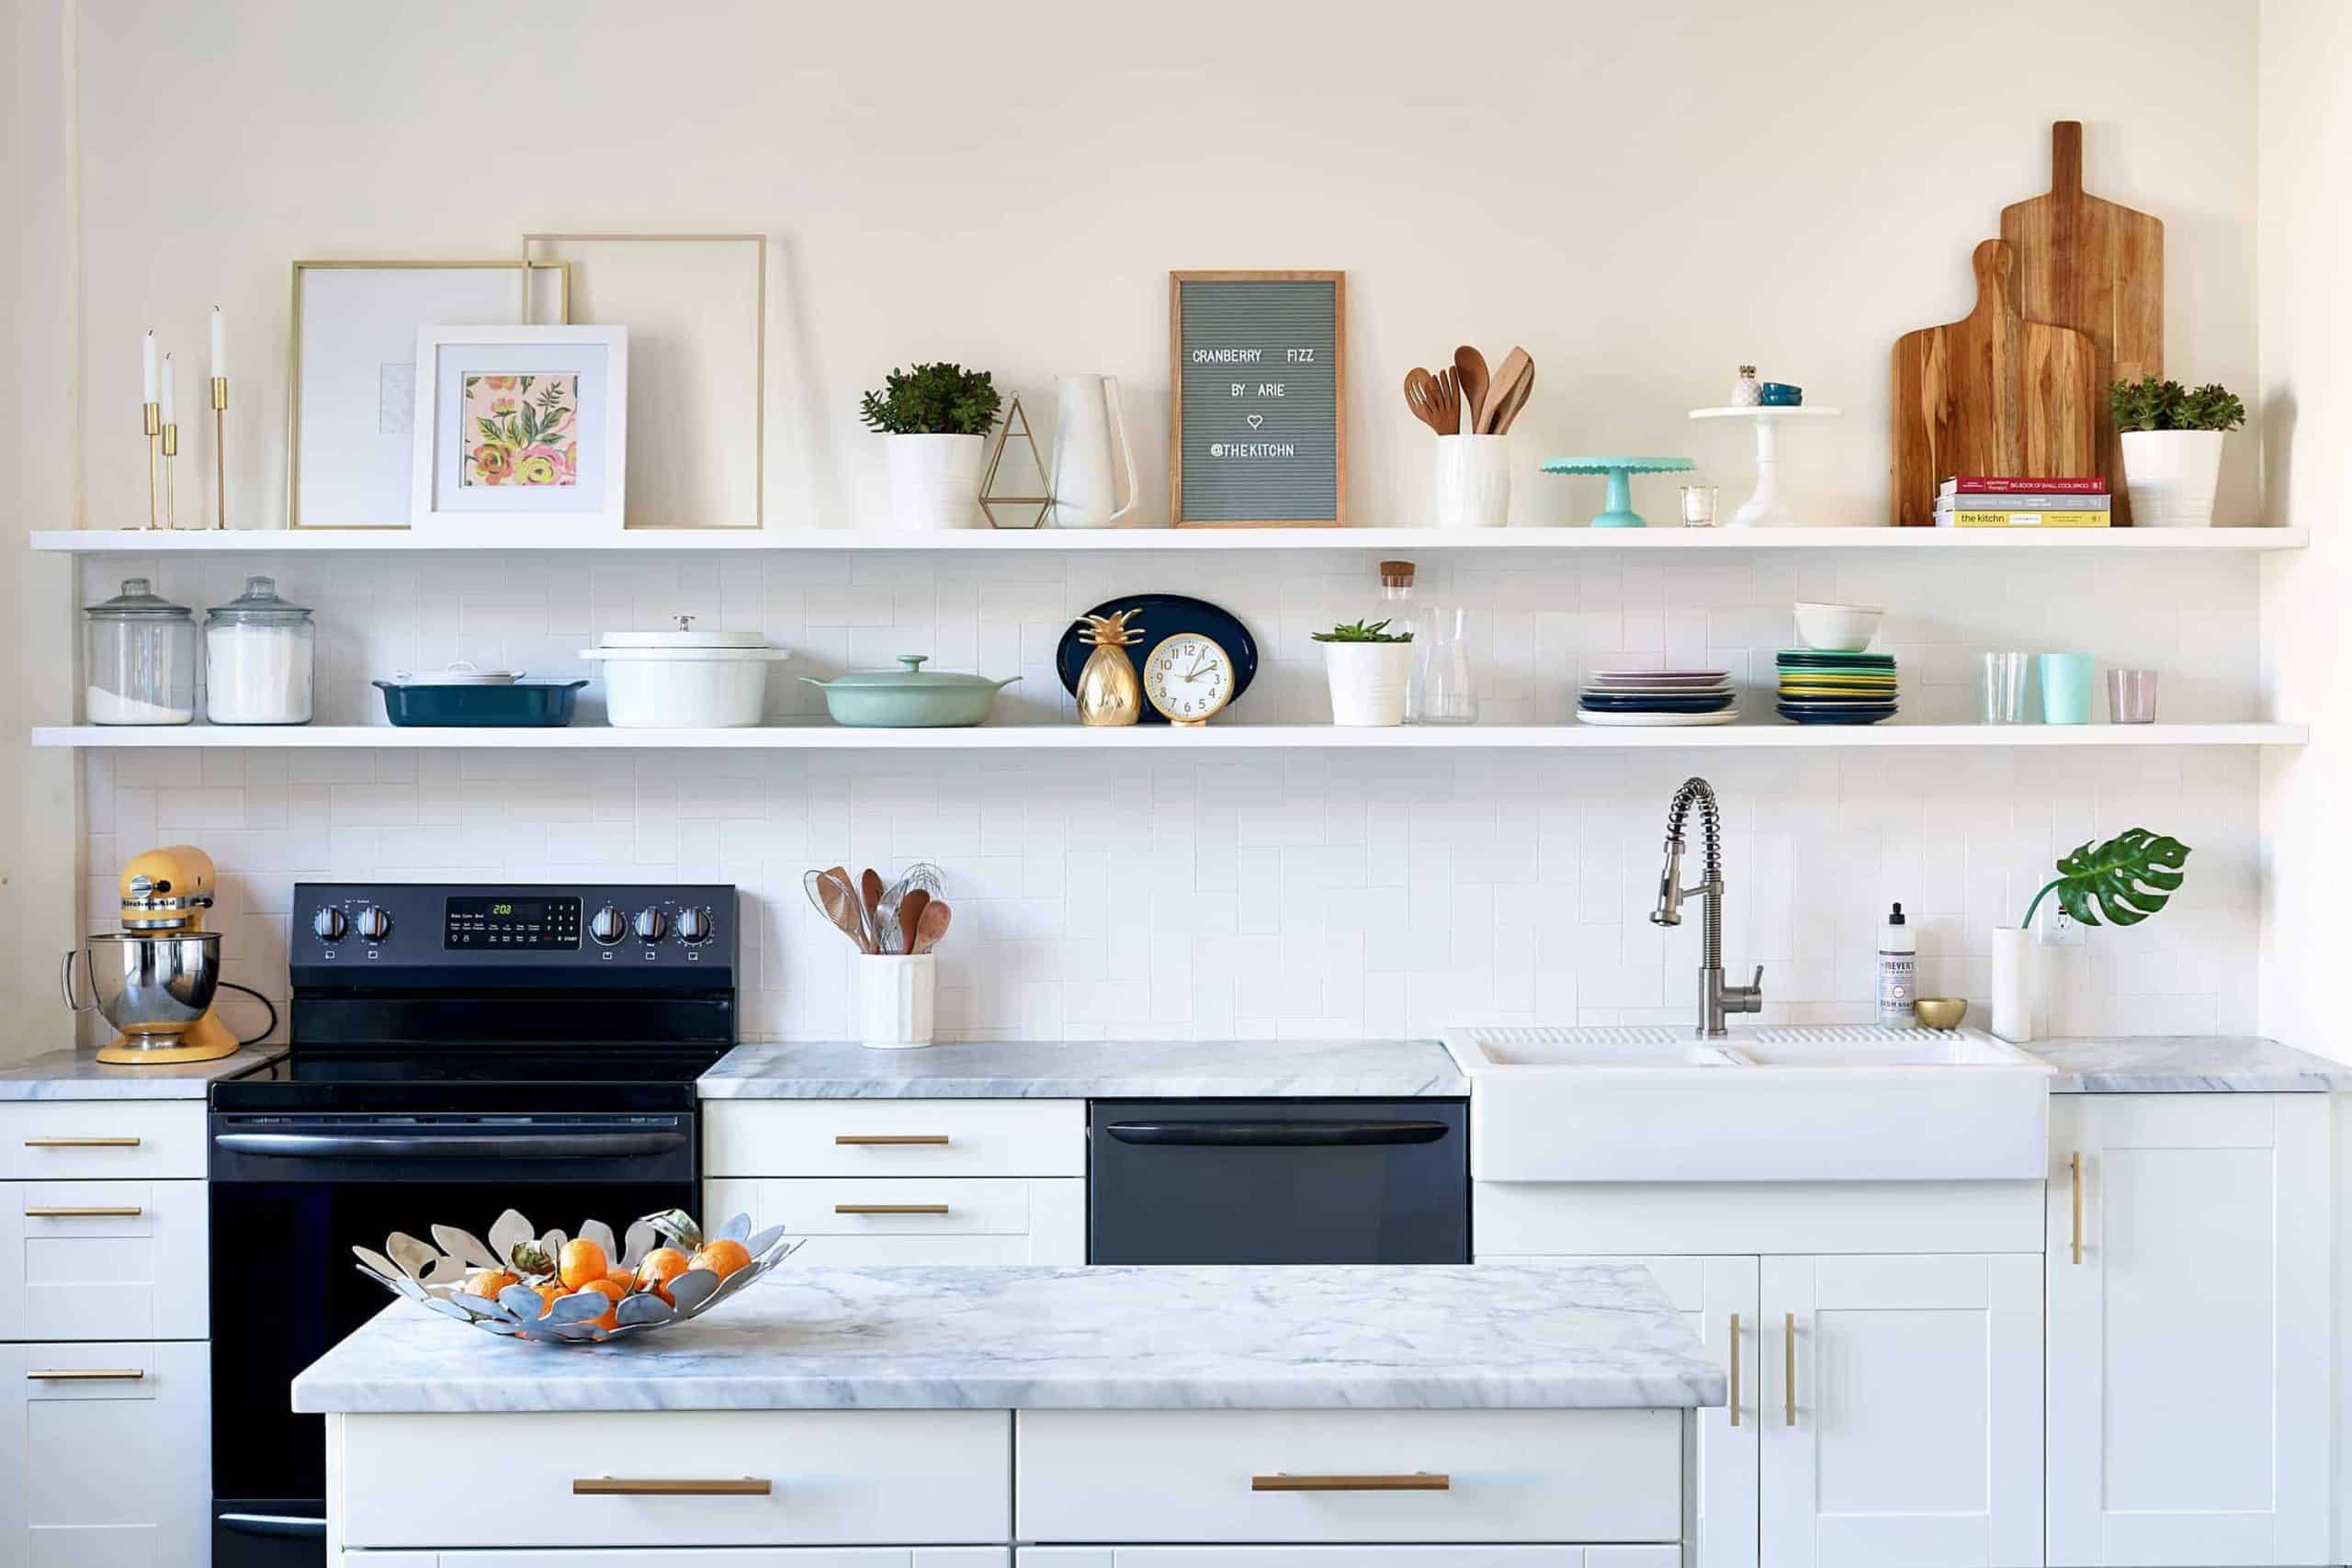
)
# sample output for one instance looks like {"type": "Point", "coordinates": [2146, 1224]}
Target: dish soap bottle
{"type": "Point", "coordinates": [1898, 972]}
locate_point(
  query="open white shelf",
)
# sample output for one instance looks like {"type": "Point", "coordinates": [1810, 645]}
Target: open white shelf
{"type": "Point", "coordinates": [1765, 734]}
{"type": "Point", "coordinates": [1110, 541]}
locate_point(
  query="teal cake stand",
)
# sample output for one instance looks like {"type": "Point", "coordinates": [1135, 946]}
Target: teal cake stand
{"type": "Point", "coordinates": [1619, 513]}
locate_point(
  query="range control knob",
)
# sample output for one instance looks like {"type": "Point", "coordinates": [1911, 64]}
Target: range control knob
{"type": "Point", "coordinates": [328, 925]}
{"type": "Point", "coordinates": [374, 924]}
{"type": "Point", "coordinates": [651, 924]}
{"type": "Point", "coordinates": [607, 925]}
{"type": "Point", "coordinates": [694, 926]}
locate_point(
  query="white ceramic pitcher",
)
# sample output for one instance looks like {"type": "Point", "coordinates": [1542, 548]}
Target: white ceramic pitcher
{"type": "Point", "coordinates": [1087, 421]}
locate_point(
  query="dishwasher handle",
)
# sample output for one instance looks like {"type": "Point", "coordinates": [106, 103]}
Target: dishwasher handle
{"type": "Point", "coordinates": [1300, 1134]}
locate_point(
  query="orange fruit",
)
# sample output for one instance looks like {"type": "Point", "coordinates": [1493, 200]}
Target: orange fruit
{"type": "Point", "coordinates": [612, 1294]}
{"type": "Point", "coordinates": [487, 1282]}
{"type": "Point", "coordinates": [658, 1267]}
{"type": "Point", "coordinates": [625, 1278]}
{"type": "Point", "coordinates": [547, 1294]}
{"type": "Point", "coordinates": [721, 1257]}
{"type": "Point", "coordinates": [582, 1261]}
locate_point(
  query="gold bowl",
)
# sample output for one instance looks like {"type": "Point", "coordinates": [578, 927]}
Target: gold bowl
{"type": "Point", "coordinates": [1942, 1012]}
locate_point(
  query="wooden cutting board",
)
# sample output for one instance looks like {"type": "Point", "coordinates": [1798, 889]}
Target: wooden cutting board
{"type": "Point", "coordinates": [1992, 394]}
{"type": "Point", "coordinates": [2099, 268]}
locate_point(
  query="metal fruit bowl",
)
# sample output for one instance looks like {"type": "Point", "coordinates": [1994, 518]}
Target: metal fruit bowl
{"type": "Point", "coordinates": [435, 1277]}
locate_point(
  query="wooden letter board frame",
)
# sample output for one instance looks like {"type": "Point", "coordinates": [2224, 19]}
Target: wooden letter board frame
{"type": "Point", "coordinates": [1176, 281]}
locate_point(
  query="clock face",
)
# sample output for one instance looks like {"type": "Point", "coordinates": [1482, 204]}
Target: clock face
{"type": "Point", "coordinates": [1188, 678]}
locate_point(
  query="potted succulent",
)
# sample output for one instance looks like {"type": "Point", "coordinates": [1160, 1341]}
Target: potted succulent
{"type": "Point", "coordinates": [935, 420]}
{"type": "Point", "coordinates": [2171, 448]}
{"type": "Point", "coordinates": [1369, 668]}
{"type": "Point", "coordinates": [2126, 879]}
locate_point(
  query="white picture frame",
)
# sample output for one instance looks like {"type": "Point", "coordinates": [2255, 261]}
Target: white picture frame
{"type": "Point", "coordinates": [459, 485]}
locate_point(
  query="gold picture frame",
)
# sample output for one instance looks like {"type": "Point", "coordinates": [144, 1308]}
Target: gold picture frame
{"type": "Point", "coordinates": [294, 333]}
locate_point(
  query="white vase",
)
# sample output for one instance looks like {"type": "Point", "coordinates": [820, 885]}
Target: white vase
{"type": "Point", "coordinates": [2014, 985]}
{"type": "Point", "coordinates": [935, 481]}
{"type": "Point", "coordinates": [895, 994]}
{"type": "Point", "coordinates": [1368, 682]}
{"type": "Point", "coordinates": [1087, 422]}
{"type": "Point", "coordinates": [1473, 481]}
{"type": "Point", "coordinates": [2170, 476]}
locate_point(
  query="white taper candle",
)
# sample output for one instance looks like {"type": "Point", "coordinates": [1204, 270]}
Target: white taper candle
{"type": "Point", "coordinates": [169, 417]}
{"type": "Point", "coordinates": [147, 364]}
{"type": "Point", "coordinates": [220, 346]}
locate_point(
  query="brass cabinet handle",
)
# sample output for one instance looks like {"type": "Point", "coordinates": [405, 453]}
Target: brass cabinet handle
{"type": "Point", "coordinates": [617, 1486]}
{"type": "Point", "coordinates": [2074, 1181]}
{"type": "Point", "coordinates": [1420, 1480]}
{"type": "Point", "coordinates": [81, 1142]}
{"type": "Point", "coordinates": [65, 1211]}
{"type": "Point", "coordinates": [1788, 1369]}
{"type": "Point", "coordinates": [890, 1140]}
{"type": "Point", "coordinates": [889, 1208]}
{"type": "Point", "coordinates": [84, 1374]}
{"type": "Point", "coordinates": [1735, 1368]}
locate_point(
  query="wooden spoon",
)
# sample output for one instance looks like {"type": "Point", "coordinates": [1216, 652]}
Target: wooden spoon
{"type": "Point", "coordinates": [1470, 366]}
{"type": "Point", "coordinates": [1421, 396]}
{"type": "Point", "coordinates": [910, 908]}
{"type": "Point", "coordinates": [871, 888]}
{"type": "Point", "coordinates": [1514, 364]}
{"type": "Point", "coordinates": [1517, 399]}
{"type": "Point", "coordinates": [841, 907]}
{"type": "Point", "coordinates": [932, 926]}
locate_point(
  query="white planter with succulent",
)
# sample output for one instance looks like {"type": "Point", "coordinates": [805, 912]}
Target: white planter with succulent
{"type": "Point", "coordinates": [2124, 880]}
{"type": "Point", "coordinates": [1370, 668]}
{"type": "Point", "coordinates": [935, 420]}
{"type": "Point", "coordinates": [2172, 448]}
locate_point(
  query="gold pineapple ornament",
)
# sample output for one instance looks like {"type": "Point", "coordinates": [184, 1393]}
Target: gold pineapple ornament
{"type": "Point", "coordinates": [1108, 693]}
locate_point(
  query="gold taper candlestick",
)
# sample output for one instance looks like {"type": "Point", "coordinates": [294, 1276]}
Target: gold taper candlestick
{"type": "Point", "coordinates": [171, 450]}
{"type": "Point", "coordinates": [220, 452]}
{"type": "Point", "coordinates": [152, 420]}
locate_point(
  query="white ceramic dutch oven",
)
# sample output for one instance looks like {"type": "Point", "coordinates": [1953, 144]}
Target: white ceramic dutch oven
{"type": "Point", "coordinates": [684, 679]}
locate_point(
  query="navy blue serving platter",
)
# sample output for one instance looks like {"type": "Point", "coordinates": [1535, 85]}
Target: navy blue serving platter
{"type": "Point", "coordinates": [1163, 616]}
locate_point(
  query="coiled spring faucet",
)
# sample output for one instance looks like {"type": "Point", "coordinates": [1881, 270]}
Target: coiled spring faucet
{"type": "Point", "coordinates": [1716, 1000]}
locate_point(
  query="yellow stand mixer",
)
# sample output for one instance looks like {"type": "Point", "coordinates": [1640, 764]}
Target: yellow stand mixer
{"type": "Point", "coordinates": [155, 980]}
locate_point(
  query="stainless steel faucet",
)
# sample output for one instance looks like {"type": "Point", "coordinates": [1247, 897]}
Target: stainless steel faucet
{"type": "Point", "coordinates": [1716, 1000]}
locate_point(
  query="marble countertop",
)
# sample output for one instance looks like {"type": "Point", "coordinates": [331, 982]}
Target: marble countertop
{"type": "Point", "coordinates": [2185, 1064]}
{"type": "Point", "coordinates": [1207, 1069]}
{"type": "Point", "coordinates": [1584, 1336]}
{"type": "Point", "coordinates": [79, 1074]}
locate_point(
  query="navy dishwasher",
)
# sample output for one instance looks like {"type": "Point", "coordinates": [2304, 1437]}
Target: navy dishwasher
{"type": "Point", "coordinates": [1278, 1181]}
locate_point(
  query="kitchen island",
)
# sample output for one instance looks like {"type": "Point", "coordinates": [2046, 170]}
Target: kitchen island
{"type": "Point", "coordinates": [1047, 1418]}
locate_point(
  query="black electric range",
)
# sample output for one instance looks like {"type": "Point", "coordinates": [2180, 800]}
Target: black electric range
{"type": "Point", "coordinates": [455, 1051]}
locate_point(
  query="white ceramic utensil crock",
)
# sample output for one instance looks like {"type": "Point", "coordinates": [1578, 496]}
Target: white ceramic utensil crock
{"type": "Point", "coordinates": [894, 1000]}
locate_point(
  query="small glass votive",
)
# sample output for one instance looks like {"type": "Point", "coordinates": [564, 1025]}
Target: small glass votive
{"type": "Point", "coordinates": [1699, 505]}
{"type": "Point", "coordinates": [2131, 697]}
{"type": "Point", "coordinates": [2004, 687]}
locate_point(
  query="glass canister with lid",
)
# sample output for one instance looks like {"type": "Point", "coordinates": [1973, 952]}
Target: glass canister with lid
{"type": "Point", "coordinates": [257, 659]}
{"type": "Point", "coordinates": [138, 658]}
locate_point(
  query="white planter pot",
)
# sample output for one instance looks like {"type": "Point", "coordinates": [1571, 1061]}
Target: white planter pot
{"type": "Point", "coordinates": [2015, 985]}
{"type": "Point", "coordinates": [1473, 481]}
{"type": "Point", "coordinates": [2170, 476]}
{"type": "Point", "coordinates": [1368, 682]}
{"type": "Point", "coordinates": [935, 481]}
{"type": "Point", "coordinates": [894, 993]}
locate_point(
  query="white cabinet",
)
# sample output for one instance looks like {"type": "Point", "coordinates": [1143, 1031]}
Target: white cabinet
{"type": "Point", "coordinates": [2188, 1330]}
{"type": "Point", "coordinates": [1902, 1412]}
{"type": "Point", "coordinates": [635, 1556]}
{"type": "Point", "coordinates": [103, 1455]}
{"type": "Point", "coordinates": [1349, 1557]}
{"type": "Point", "coordinates": [103, 1260]}
{"type": "Point", "coordinates": [888, 1221]}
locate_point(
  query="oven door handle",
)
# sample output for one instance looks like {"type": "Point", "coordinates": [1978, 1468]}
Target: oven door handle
{"type": "Point", "coordinates": [452, 1145]}
{"type": "Point", "coordinates": [296, 1527]}
{"type": "Point", "coordinates": [1276, 1134]}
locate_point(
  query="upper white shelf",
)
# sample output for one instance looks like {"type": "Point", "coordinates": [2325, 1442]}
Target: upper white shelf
{"type": "Point", "coordinates": [1051, 541]}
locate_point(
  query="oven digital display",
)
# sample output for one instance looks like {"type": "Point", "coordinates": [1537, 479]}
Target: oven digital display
{"type": "Point", "coordinates": [503, 924]}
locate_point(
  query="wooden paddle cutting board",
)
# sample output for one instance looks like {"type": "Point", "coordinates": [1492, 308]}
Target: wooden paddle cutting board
{"type": "Point", "coordinates": [1992, 394]}
{"type": "Point", "coordinates": [2099, 268]}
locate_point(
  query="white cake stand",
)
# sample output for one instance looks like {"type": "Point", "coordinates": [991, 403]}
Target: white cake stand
{"type": "Point", "coordinates": [1765, 509]}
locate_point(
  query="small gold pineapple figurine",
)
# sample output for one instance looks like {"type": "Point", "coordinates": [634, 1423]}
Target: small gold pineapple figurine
{"type": "Point", "coordinates": [1108, 692]}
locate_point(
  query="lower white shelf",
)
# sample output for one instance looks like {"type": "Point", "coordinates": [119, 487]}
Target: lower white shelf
{"type": "Point", "coordinates": [1763, 734]}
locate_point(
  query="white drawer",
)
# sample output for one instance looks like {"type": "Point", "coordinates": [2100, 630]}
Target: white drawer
{"type": "Point", "coordinates": [108, 1139]}
{"type": "Point", "coordinates": [104, 1467]}
{"type": "Point", "coordinates": [1225, 1475]}
{"type": "Point", "coordinates": [697, 1557]}
{"type": "Point", "coordinates": [832, 1477]}
{"type": "Point", "coordinates": [103, 1260]}
{"type": "Point", "coordinates": [896, 1221]}
{"type": "Point", "coordinates": [894, 1137]}
{"type": "Point", "coordinates": [1348, 1557]}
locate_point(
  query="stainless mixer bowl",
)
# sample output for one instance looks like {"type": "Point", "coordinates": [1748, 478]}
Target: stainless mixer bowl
{"type": "Point", "coordinates": [147, 984]}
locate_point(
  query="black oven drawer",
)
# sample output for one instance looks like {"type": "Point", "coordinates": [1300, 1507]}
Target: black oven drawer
{"type": "Point", "coordinates": [1278, 1181]}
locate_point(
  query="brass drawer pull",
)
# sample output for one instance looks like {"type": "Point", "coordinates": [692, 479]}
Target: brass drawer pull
{"type": "Point", "coordinates": [1789, 1370]}
{"type": "Point", "coordinates": [890, 1140]}
{"type": "Point", "coordinates": [81, 1142]}
{"type": "Point", "coordinates": [617, 1486]}
{"type": "Point", "coordinates": [62, 1212]}
{"type": "Point", "coordinates": [1735, 1368]}
{"type": "Point", "coordinates": [2075, 1183]}
{"type": "Point", "coordinates": [84, 1374]}
{"type": "Point", "coordinates": [1420, 1480]}
{"type": "Point", "coordinates": [889, 1208]}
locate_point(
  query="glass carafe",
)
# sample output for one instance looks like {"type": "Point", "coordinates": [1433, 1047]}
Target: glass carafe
{"type": "Point", "coordinates": [1443, 694]}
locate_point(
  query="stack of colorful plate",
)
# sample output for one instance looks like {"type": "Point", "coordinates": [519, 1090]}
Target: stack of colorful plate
{"type": "Point", "coordinates": [1645, 698]}
{"type": "Point", "coordinates": [1836, 688]}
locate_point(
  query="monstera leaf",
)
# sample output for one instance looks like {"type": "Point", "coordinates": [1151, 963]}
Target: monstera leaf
{"type": "Point", "coordinates": [2126, 879]}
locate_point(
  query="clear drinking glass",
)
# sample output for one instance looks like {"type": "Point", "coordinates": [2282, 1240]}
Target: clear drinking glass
{"type": "Point", "coordinates": [1446, 695]}
{"type": "Point", "coordinates": [1699, 505]}
{"type": "Point", "coordinates": [2131, 697]}
{"type": "Point", "coordinates": [2004, 687]}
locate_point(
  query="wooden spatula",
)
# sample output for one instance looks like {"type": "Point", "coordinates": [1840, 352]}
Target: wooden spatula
{"type": "Point", "coordinates": [1514, 365]}
{"type": "Point", "coordinates": [871, 888]}
{"type": "Point", "coordinates": [1422, 396]}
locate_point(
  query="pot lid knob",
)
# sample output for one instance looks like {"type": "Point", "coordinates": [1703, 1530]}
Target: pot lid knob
{"type": "Point", "coordinates": [686, 623]}
{"type": "Point", "coordinates": [913, 662]}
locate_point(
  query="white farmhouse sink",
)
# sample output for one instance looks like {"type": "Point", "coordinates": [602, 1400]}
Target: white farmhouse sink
{"type": "Point", "coordinates": [1790, 1104]}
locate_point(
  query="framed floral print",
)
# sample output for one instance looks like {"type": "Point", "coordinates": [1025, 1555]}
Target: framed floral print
{"type": "Point", "coordinates": [523, 430]}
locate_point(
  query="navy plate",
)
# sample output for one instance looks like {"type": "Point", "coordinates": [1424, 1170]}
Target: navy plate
{"type": "Point", "coordinates": [1164, 616]}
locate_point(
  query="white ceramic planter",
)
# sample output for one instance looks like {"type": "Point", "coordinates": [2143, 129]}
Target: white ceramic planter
{"type": "Point", "coordinates": [895, 994]}
{"type": "Point", "coordinates": [935, 481]}
{"type": "Point", "coordinates": [1368, 682]}
{"type": "Point", "coordinates": [2014, 985]}
{"type": "Point", "coordinates": [2170, 476]}
{"type": "Point", "coordinates": [1473, 481]}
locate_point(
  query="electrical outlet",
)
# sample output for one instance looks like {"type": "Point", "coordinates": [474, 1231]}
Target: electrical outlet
{"type": "Point", "coordinates": [2061, 929]}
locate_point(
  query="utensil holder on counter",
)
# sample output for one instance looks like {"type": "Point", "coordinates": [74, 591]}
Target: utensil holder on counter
{"type": "Point", "coordinates": [894, 993]}
{"type": "Point", "coordinates": [2013, 984]}
{"type": "Point", "coordinates": [1473, 481]}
